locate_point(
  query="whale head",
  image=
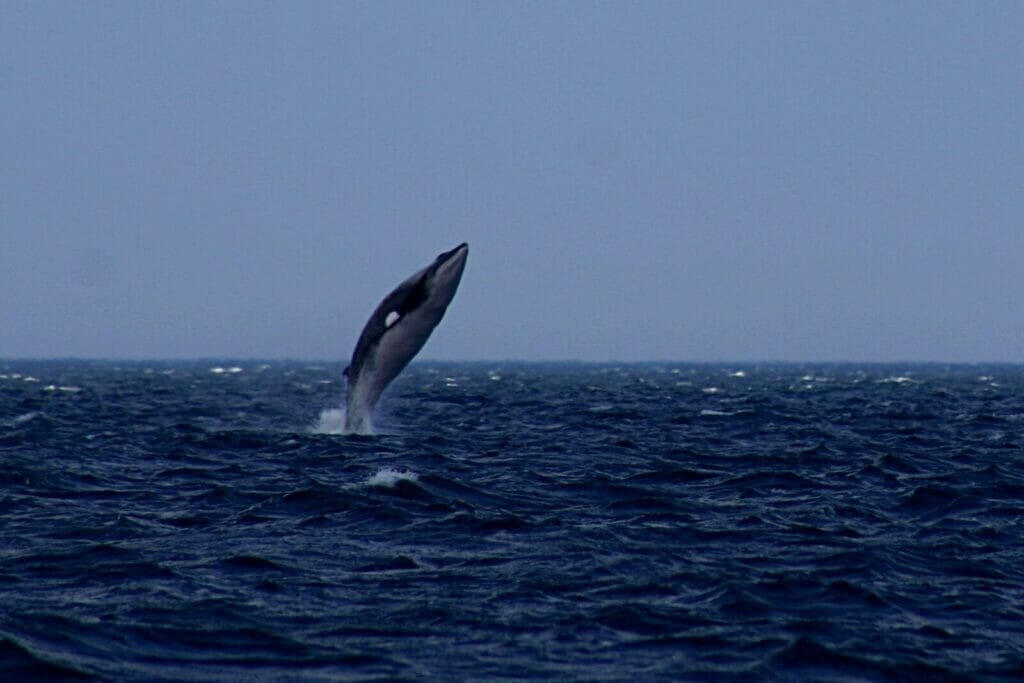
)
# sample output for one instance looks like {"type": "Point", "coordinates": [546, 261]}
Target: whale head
{"type": "Point", "coordinates": [447, 273]}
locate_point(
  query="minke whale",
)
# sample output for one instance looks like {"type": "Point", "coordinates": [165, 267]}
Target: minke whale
{"type": "Point", "coordinates": [396, 332]}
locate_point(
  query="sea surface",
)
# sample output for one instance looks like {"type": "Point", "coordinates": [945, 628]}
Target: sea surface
{"type": "Point", "coordinates": [205, 521]}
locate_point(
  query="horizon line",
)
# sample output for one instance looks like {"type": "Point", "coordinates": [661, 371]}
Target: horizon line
{"type": "Point", "coordinates": [540, 361]}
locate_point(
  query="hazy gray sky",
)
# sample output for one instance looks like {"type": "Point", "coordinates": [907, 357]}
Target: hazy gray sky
{"type": "Point", "coordinates": [678, 180]}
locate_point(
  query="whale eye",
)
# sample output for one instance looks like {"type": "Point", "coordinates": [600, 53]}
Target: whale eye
{"type": "Point", "coordinates": [391, 319]}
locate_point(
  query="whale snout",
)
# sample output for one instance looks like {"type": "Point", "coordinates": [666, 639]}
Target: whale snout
{"type": "Point", "coordinates": [460, 252]}
{"type": "Point", "coordinates": [450, 266]}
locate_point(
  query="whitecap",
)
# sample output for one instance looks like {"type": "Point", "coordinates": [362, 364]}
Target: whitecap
{"type": "Point", "coordinates": [388, 477]}
{"type": "Point", "coordinates": [902, 379]}
{"type": "Point", "coordinates": [55, 387]}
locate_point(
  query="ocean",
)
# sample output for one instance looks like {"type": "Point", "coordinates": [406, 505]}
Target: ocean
{"type": "Point", "coordinates": [204, 521]}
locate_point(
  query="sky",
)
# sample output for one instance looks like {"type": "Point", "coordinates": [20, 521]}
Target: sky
{"type": "Point", "coordinates": [692, 181]}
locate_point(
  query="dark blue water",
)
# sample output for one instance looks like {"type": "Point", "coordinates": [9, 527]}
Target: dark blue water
{"type": "Point", "coordinates": [169, 521]}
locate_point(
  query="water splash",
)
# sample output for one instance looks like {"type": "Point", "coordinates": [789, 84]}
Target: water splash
{"type": "Point", "coordinates": [331, 421]}
{"type": "Point", "coordinates": [388, 477]}
{"type": "Point", "coordinates": [335, 421]}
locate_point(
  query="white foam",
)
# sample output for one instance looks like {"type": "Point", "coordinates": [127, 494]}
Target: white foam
{"type": "Point", "coordinates": [902, 379]}
{"type": "Point", "coordinates": [331, 421]}
{"type": "Point", "coordinates": [387, 477]}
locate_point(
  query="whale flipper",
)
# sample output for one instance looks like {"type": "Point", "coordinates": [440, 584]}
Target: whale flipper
{"type": "Point", "coordinates": [396, 331]}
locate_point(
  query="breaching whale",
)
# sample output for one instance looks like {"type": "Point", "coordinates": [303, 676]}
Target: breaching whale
{"type": "Point", "coordinates": [396, 332]}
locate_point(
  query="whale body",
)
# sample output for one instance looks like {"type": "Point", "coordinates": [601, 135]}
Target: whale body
{"type": "Point", "coordinates": [396, 332]}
